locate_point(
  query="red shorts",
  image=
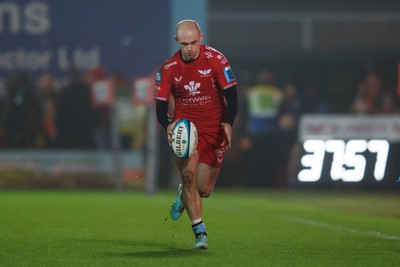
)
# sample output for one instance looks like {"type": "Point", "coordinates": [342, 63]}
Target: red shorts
{"type": "Point", "coordinates": [209, 148]}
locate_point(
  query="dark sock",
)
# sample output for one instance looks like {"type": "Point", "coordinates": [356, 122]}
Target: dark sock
{"type": "Point", "coordinates": [199, 229]}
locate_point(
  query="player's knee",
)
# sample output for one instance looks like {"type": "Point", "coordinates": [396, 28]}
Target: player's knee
{"type": "Point", "coordinates": [187, 178]}
{"type": "Point", "coordinates": [205, 193]}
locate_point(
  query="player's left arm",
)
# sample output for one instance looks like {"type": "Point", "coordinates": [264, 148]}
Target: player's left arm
{"type": "Point", "coordinates": [227, 83]}
{"type": "Point", "coordinates": [231, 99]}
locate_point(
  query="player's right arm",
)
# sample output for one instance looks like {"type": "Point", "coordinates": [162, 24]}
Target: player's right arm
{"type": "Point", "coordinates": [162, 113]}
{"type": "Point", "coordinates": [164, 119]}
{"type": "Point", "coordinates": [162, 96]}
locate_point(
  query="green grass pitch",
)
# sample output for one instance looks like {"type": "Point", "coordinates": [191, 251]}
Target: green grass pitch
{"type": "Point", "coordinates": [246, 228]}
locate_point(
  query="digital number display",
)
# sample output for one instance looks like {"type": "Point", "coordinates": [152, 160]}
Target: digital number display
{"type": "Point", "coordinates": [349, 162]}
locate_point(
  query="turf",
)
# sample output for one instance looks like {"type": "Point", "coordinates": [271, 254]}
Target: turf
{"type": "Point", "coordinates": [246, 228]}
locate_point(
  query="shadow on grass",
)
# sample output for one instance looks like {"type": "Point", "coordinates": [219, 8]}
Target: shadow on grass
{"type": "Point", "coordinates": [161, 253]}
{"type": "Point", "coordinates": [144, 249]}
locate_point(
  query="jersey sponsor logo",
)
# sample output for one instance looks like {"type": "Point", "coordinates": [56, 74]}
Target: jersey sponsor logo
{"type": "Point", "coordinates": [158, 76]}
{"type": "Point", "coordinates": [204, 72]}
{"type": "Point", "coordinates": [229, 74]}
{"type": "Point", "coordinates": [195, 101]}
{"type": "Point", "coordinates": [170, 64]}
{"type": "Point", "coordinates": [192, 88]}
{"type": "Point", "coordinates": [178, 79]}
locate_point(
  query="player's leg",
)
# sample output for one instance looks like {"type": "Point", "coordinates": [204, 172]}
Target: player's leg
{"type": "Point", "coordinates": [192, 200]}
{"type": "Point", "coordinates": [206, 179]}
{"type": "Point", "coordinates": [187, 170]}
{"type": "Point", "coordinates": [190, 195]}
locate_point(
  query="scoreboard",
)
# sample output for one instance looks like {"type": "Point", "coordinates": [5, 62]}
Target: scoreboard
{"type": "Point", "coordinates": [356, 149]}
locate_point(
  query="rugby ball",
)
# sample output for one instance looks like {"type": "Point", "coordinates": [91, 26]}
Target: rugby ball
{"type": "Point", "coordinates": [184, 138]}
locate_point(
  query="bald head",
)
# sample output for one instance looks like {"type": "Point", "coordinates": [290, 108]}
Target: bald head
{"type": "Point", "coordinates": [188, 36]}
{"type": "Point", "coordinates": [187, 24]}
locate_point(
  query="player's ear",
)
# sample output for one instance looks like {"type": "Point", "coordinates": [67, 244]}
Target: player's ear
{"type": "Point", "coordinates": [176, 39]}
{"type": "Point", "coordinates": [201, 37]}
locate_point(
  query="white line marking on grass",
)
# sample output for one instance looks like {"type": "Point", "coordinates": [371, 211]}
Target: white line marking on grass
{"type": "Point", "coordinates": [342, 229]}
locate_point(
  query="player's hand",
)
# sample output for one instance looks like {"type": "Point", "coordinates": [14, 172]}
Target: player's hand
{"type": "Point", "coordinates": [170, 131]}
{"type": "Point", "coordinates": [226, 144]}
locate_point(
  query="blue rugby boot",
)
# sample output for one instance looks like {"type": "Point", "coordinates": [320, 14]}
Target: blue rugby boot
{"type": "Point", "coordinates": [201, 241]}
{"type": "Point", "coordinates": [177, 207]}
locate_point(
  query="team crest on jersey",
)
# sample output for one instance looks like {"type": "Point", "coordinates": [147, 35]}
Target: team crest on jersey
{"type": "Point", "coordinates": [192, 88]}
{"type": "Point", "coordinates": [204, 72]}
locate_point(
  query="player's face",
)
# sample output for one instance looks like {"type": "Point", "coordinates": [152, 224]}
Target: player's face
{"type": "Point", "coordinates": [189, 42]}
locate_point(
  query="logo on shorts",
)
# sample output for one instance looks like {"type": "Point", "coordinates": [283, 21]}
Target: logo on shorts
{"type": "Point", "coordinates": [220, 154]}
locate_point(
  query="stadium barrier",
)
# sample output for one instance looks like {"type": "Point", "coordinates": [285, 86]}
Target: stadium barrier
{"type": "Point", "coordinates": [68, 169]}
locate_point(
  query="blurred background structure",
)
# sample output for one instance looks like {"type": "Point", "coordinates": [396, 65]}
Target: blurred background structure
{"type": "Point", "coordinates": [76, 87]}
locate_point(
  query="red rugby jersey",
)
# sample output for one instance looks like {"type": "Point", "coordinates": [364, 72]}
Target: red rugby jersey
{"type": "Point", "coordinates": [196, 87]}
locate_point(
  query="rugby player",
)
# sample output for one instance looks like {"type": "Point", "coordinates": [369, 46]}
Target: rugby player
{"type": "Point", "coordinates": [203, 87]}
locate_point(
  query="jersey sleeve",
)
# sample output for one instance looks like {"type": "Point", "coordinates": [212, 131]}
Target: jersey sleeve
{"type": "Point", "coordinates": [163, 84]}
{"type": "Point", "coordinates": [225, 76]}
